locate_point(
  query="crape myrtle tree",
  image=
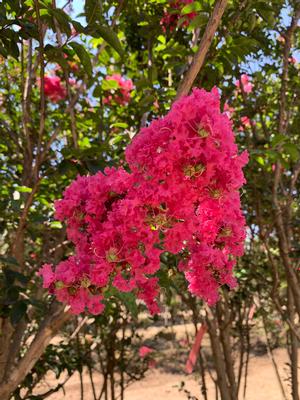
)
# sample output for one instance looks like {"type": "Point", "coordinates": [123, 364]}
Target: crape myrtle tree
{"type": "Point", "coordinates": [75, 89]}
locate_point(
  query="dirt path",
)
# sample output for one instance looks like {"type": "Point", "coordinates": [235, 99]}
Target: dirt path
{"type": "Point", "coordinates": [158, 385]}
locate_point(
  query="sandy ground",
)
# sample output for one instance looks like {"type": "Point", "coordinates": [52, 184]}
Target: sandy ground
{"type": "Point", "coordinates": [164, 381]}
{"type": "Point", "coordinates": [159, 385]}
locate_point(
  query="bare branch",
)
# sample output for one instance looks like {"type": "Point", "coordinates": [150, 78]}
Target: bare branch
{"type": "Point", "coordinates": [198, 60]}
{"type": "Point", "coordinates": [66, 76]}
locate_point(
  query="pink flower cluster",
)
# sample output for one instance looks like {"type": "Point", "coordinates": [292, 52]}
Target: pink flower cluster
{"type": "Point", "coordinates": [246, 123]}
{"type": "Point", "coordinates": [181, 196]}
{"type": "Point", "coordinates": [170, 19]}
{"type": "Point", "coordinates": [122, 96]}
{"type": "Point", "coordinates": [292, 60]}
{"type": "Point", "coordinates": [144, 351]}
{"type": "Point", "coordinates": [54, 88]}
{"type": "Point", "coordinates": [246, 84]}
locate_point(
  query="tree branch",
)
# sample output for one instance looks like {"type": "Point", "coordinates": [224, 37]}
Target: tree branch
{"type": "Point", "coordinates": [42, 86]}
{"type": "Point", "coordinates": [198, 60]}
{"type": "Point", "coordinates": [55, 318]}
{"type": "Point", "coordinates": [66, 76]}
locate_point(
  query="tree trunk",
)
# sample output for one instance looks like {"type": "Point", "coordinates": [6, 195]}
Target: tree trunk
{"type": "Point", "coordinates": [217, 355]}
{"type": "Point", "coordinates": [54, 320]}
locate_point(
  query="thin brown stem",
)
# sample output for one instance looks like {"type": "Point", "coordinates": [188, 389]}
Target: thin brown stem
{"type": "Point", "coordinates": [198, 60]}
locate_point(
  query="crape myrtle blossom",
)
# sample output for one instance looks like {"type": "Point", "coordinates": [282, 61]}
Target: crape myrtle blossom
{"type": "Point", "coordinates": [54, 89]}
{"type": "Point", "coordinates": [122, 94]}
{"type": "Point", "coordinates": [173, 14]}
{"type": "Point", "coordinates": [246, 123]}
{"type": "Point", "coordinates": [292, 60]}
{"type": "Point", "coordinates": [246, 84]}
{"type": "Point", "coordinates": [144, 351]}
{"type": "Point", "coordinates": [181, 196]}
{"type": "Point", "coordinates": [228, 110]}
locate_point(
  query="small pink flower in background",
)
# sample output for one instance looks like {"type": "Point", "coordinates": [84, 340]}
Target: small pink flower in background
{"type": "Point", "coordinates": [273, 167]}
{"type": "Point", "coordinates": [170, 19]}
{"type": "Point", "coordinates": [54, 88]}
{"type": "Point", "coordinates": [73, 82]}
{"type": "Point", "coordinates": [245, 123]}
{"type": "Point", "coordinates": [247, 86]}
{"type": "Point", "coordinates": [228, 110]}
{"type": "Point", "coordinates": [292, 60]}
{"type": "Point", "coordinates": [125, 86]}
{"type": "Point", "coordinates": [144, 351]}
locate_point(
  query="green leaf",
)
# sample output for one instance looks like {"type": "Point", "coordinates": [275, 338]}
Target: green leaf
{"type": "Point", "coordinates": [8, 261]}
{"type": "Point", "coordinates": [276, 139]}
{"type": "Point", "coordinates": [162, 39]}
{"type": "Point", "coordinates": [83, 56]}
{"type": "Point", "coordinates": [56, 225]}
{"type": "Point", "coordinates": [97, 91]}
{"type": "Point", "coordinates": [18, 311]}
{"type": "Point", "coordinates": [12, 294]}
{"type": "Point", "coordinates": [189, 8]}
{"type": "Point", "coordinates": [78, 27]}
{"type": "Point", "coordinates": [129, 301]}
{"type": "Point", "coordinates": [142, 83]}
{"type": "Point", "coordinates": [110, 37]}
{"type": "Point", "coordinates": [119, 125]}
{"type": "Point", "coordinates": [23, 189]}
{"type": "Point", "coordinates": [62, 19]}
{"type": "Point", "coordinates": [260, 160]}
{"type": "Point", "coordinates": [109, 84]}
{"type": "Point", "coordinates": [11, 276]}
{"type": "Point", "coordinates": [292, 150]}
{"type": "Point", "coordinates": [199, 21]}
{"type": "Point", "coordinates": [92, 10]}
{"type": "Point", "coordinates": [267, 15]}
{"type": "Point", "coordinates": [147, 100]}
{"type": "Point", "coordinates": [152, 73]}
{"type": "Point", "coordinates": [116, 139]}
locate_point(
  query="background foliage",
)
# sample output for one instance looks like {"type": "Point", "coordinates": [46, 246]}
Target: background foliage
{"type": "Point", "coordinates": [45, 145]}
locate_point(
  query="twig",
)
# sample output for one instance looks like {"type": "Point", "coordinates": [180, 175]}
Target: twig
{"type": "Point", "coordinates": [42, 86]}
{"type": "Point", "coordinates": [205, 43]}
{"type": "Point", "coordinates": [66, 76]}
{"type": "Point", "coordinates": [80, 325]}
